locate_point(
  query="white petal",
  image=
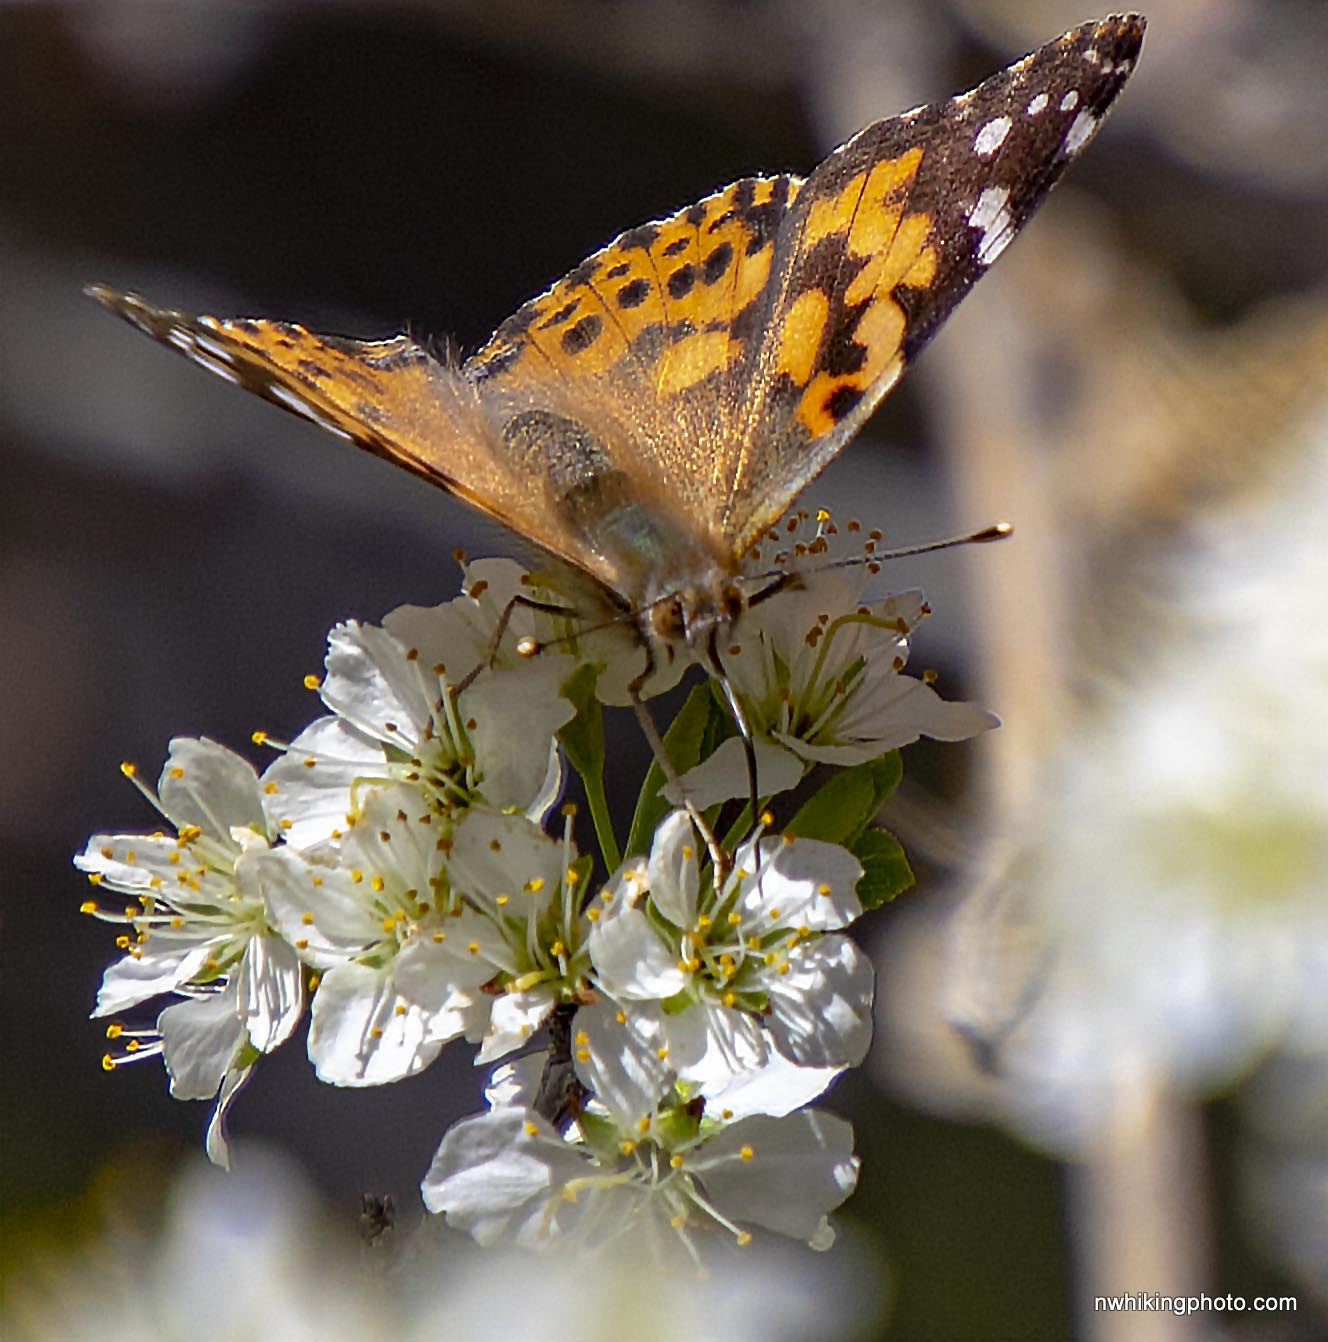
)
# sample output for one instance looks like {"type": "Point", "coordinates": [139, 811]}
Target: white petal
{"type": "Point", "coordinates": [319, 909]}
{"type": "Point", "coordinates": [217, 1144]}
{"type": "Point", "coordinates": [776, 1088]}
{"type": "Point", "coordinates": [164, 964]}
{"type": "Point", "coordinates": [632, 960]}
{"type": "Point", "coordinates": [269, 992]}
{"type": "Point", "coordinates": [205, 784]}
{"type": "Point", "coordinates": [497, 1175]}
{"type": "Point", "coordinates": [821, 1010]}
{"type": "Point", "coordinates": [709, 1044]}
{"type": "Point", "coordinates": [200, 1039]}
{"type": "Point", "coordinates": [782, 1173]}
{"type": "Point", "coordinates": [495, 854]}
{"type": "Point", "coordinates": [616, 1050]}
{"type": "Point", "coordinates": [308, 790]}
{"type": "Point", "coordinates": [371, 682]}
{"type": "Point", "coordinates": [515, 715]}
{"type": "Point", "coordinates": [673, 870]}
{"type": "Point", "coordinates": [800, 883]}
{"type": "Point", "coordinates": [513, 1018]}
{"type": "Point", "coordinates": [723, 775]}
{"type": "Point", "coordinates": [364, 1032]}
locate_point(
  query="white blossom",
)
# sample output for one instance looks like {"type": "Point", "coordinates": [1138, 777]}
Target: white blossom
{"type": "Point", "coordinates": [395, 715]}
{"type": "Point", "coordinates": [730, 978]}
{"type": "Point", "coordinates": [197, 928]}
{"type": "Point", "coordinates": [820, 675]}
{"type": "Point", "coordinates": [507, 1176]}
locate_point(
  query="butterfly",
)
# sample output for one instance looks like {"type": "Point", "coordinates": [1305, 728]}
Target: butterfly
{"type": "Point", "coordinates": [651, 415]}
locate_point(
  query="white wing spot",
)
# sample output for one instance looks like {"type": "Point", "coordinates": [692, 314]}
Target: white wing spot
{"type": "Point", "coordinates": [1070, 101]}
{"type": "Point", "coordinates": [1080, 132]}
{"type": "Point", "coordinates": [205, 361]}
{"type": "Point", "coordinates": [990, 217]}
{"type": "Point", "coordinates": [992, 136]}
{"type": "Point", "coordinates": [1038, 104]}
{"type": "Point", "coordinates": [293, 401]}
{"type": "Point", "coordinates": [181, 339]}
{"type": "Point", "coordinates": [217, 351]}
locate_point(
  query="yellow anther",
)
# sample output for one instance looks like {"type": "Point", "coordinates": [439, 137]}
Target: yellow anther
{"type": "Point", "coordinates": [258, 738]}
{"type": "Point", "coordinates": [823, 889]}
{"type": "Point", "coordinates": [114, 1031]}
{"type": "Point", "coordinates": [312, 682]}
{"type": "Point", "coordinates": [94, 878]}
{"type": "Point", "coordinates": [746, 1153]}
{"type": "Point", "coordinates": [129, 769]}
{"type": "Point", "coordinates": [376, 1032]}
{"type": "Point", "coordinates": [88, 905]}
{"type": "Point", "coordinates": [744, 1238]}
{"type": "Point", "coordinates": [107, 1063]}
{"type": "Point", "coordinates": [376, 882]}
{"type": "Point", "coordinates": [356, 876]}
{"type": "Point", "coordinates": [531, 1130]}
{"type": "Point", "coordinates": [675, 1161]}
{"type": "Point", "coordinates": [177, 772]}
{"type": "Point", "coordinates": [534, 885]}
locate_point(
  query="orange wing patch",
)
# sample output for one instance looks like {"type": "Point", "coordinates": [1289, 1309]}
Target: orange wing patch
{"type": "Point", "coordinates": [664, 296]}
{"type": "Point", "coordinates": [840, 341]}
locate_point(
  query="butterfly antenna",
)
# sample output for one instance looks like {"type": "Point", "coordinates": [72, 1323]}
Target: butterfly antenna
{"type": "Point", "coordinates": [782, 578]}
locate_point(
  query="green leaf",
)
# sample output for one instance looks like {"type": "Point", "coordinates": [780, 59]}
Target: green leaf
{"type": "Point", "coordinates": [583, 741]}
{"type": "Point", "coordinates": [885, 869]}
{"type": "Point", "coordinates": [843, 806]}
{"type": "Point", "coordinates": [699, 727]}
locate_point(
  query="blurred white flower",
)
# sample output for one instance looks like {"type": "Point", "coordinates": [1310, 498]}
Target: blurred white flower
{"type": "Point", "coordinates": [508, 1177]}
{"type": "Point", "coordinates": [254, 1255]}
{"type": "Point", "coordinates": [1180, 876]}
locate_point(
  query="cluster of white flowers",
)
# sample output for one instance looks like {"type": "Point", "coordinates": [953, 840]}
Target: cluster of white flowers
{"type": "Point", "coordinates": [391, 870]}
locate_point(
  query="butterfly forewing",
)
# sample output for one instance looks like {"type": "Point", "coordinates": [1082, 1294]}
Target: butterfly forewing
{"type": "Point", "coordinates": [390, 397]}
{"type": "Point", "coordinates": [886, 237]}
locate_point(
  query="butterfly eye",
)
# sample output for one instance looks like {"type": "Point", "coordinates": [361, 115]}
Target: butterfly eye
{"type": "Point", "coordinates": [668, 621]}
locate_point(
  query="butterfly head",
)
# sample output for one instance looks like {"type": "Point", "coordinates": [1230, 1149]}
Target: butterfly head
{"type": "Point", "coordinates": [697, 614]}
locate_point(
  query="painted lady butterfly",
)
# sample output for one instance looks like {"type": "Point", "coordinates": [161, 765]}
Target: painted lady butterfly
{"type": "Point", "coordinates": [651, 415]}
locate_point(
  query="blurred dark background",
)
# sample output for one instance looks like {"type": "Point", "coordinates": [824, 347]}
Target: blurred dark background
{"type": "Point", "coordinates": [173, 552]}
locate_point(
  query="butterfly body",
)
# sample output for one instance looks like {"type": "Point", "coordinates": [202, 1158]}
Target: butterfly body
{"type": "Point", "coordinates": [650, 416]}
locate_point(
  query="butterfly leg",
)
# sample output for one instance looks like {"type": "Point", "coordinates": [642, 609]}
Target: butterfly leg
{"type": "Point", "coordinates": [718, 858]}
{"type": "Point", "coordinates": [548, 607]}
{"type": "Point", "coordinates": [744, 726]}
